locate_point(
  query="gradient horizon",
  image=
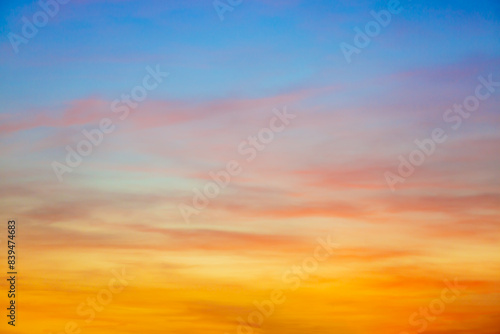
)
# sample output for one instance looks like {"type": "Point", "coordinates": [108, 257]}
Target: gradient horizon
{"type": "Point", "coordinates": [322, 177]}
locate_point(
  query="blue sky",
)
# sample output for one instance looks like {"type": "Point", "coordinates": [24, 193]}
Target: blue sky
{"type": "Point", "coordinates": [96, 47]}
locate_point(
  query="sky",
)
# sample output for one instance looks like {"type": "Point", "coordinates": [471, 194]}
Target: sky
{"type": "Point", "coordinates": [251, 166]}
